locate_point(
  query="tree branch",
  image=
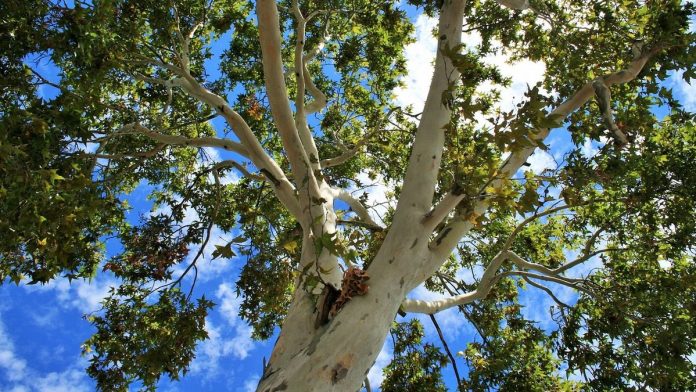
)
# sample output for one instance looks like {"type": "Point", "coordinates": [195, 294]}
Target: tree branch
{"type": "Point", "coordinates": [144, 154]}
{"type": "Point", "coordinates": [535, 216]}
{"type": "Point", "coordinates": [283, 187]}
{"type": "Point", "coordinates": [175, 140]}
{"type": "Point", "coordinates": [443, 244]}
{"type": "Point", "coordinates": [357, 207]}
{"type": "Point", "coordinates": [241, 168]}
{"type": "Point", "coordinates": [449, 353]}
{"type": "Point", "coordinates": [320, 99]}
{"type": "Point", "coordinates": [491, 277]}
{"type": "Point", "coordinates": [441, 210]}
{"type": "Point", "coordinates": [304, 133]}
{"type": "Point", "coordinates": [424, 163]}
{"type": "Point", "coordinates": [547, 290]}
{"type": "Point", "coordinates": [487, 281]}
{"type": "Point", "coordinates": [572, 283]}
{"type": "Point", "coordinates": [270, 38]}
{"type": "Point", "coordinates": [349, 153]}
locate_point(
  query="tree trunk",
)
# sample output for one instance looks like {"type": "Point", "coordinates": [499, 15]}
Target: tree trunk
{"type": "Point", "coordinates": [338, 355]}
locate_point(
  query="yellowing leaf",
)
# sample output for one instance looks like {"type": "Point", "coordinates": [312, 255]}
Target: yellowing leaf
{"type": "Point", "coordinates": [290, 246]}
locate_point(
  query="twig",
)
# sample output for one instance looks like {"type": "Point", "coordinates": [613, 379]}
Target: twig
{"type": "Point", "coordinates": [449, 353]}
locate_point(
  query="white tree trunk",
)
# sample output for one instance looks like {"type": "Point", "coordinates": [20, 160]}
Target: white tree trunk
{"type": "Point", "coordinates": [338, 356]}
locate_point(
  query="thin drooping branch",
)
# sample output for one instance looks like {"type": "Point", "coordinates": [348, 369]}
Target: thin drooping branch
{"type": "Point", "coordinates": [241, 168]}
{"type": "Point", "coordinates": [577, 284]}
{"type": "Point", "coordinates": [141, 155]}
{"type": "Point", "coordinates": [547, 290]}
{"type": "Point", "coordinates": [447, 350]}
{"type": "Point", "coordinates": [349, 153]}
{"type": "Point", "coordinates": [357, 207]}
{"type": "Point", "coordinates": [176, 140]}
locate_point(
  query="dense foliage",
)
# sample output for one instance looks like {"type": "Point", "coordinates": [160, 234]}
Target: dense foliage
{"type": "Point", "coordinates": [118, 115]}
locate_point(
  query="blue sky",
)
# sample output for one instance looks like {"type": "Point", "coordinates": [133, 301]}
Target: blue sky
{"type": "Point", "coordinates": [42, 327]}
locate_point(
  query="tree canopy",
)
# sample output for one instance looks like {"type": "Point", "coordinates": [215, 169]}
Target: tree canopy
{"type": "Point", "coordinates": [276, 147]}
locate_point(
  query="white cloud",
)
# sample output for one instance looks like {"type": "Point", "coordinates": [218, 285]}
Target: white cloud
{"type": "Point", "coordinates": [83, 295]}
{"type": "Point", "coordinates": [229, 307]}
{"type": "Point", "coordinates": [208, 268]}
{"type": "Point", "coordinates": [241, 343]}
{"type": "Point", "coordinates": [234, 340]}
{"type": "Point", "coordinates": [540, 161]}
{"type": "Point", "coordinates": [218, 346]}
{"type": "Point", "coordinates": [15, 368]}
{"type": "Point", "coordinates": [88, 147]}
{"type": "Point", "coordinates": [524, 74]}
{"type": "Point", "coordinates": [419, 68]}
{"type": "Point", "coordinates": [19, 377]}
{"type": "Point", "coordinates": [212, 154]}
{"type": "Point", "coordinates": [470, 275]}
{"type": "Point", "coordinates": [71, 380]}
{"type": "Point", "coordinates": [424, 294]}
{"type": "Point", "coordinates": [535, 306]}
{"type": "Point", "coordinates": [376, 191]}
{"type": "Point", "coordinates": [375, 374]}
{"type": "Point", "coordinates": [537, 303]}
{"type": "Point", "coordinates": [665, 264]}
{"type": "Point", "coordinates": [250, 384]}
{"type": "Point", "coordinates": [45, 317]}
{"type": "Point", "coordinates": [230, 177]}
{"type": "Point", "coordinates": [589, 148]}
{"type": "Point", "coordinates": [685, 92]}
{"type": "Point", "coordinates": [587, 267]}
{"type": "Point", "coordinates": [419, 65]}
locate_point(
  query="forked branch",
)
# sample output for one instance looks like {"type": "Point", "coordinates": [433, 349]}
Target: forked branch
{"type": "Point", "coordinates": [448, 238]}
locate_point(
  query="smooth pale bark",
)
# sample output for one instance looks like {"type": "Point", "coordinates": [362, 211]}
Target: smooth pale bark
{"type": "Point", "coordinates": [337, 356]}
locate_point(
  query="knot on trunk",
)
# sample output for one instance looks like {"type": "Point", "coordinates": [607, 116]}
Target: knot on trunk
{"type": "Point", "coordinates": [353, 284]}
{"type": "Point", "coordinates": [332, 300]}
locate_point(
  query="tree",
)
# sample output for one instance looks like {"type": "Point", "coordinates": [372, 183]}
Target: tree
{"type": "Point", "coordinates": [306, 96]}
